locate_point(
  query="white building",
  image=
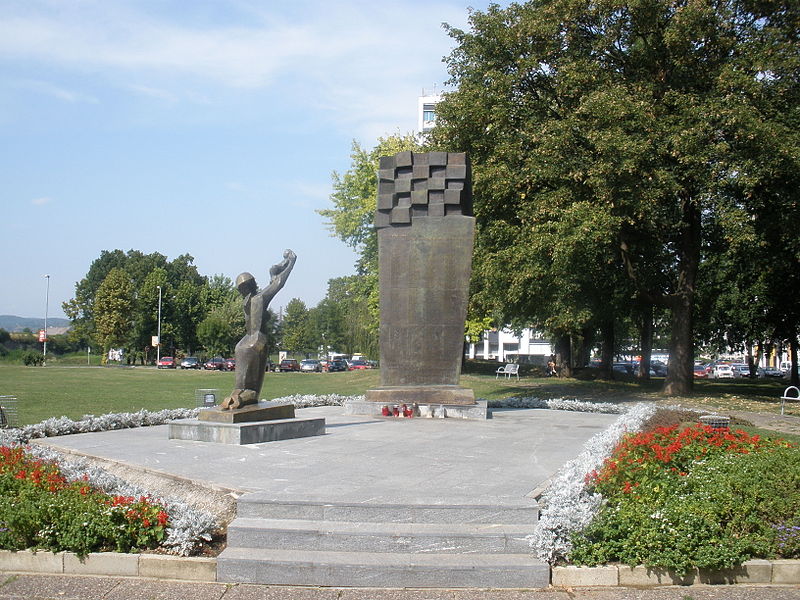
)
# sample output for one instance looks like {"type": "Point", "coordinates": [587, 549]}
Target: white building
{"type": "Point", "coordinates": [505, 346]}
{"type": "Point", "coordinates": [426, 111]}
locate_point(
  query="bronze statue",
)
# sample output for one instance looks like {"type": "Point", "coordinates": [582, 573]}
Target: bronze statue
{"type": "Point", "coordinates": [251, 351]}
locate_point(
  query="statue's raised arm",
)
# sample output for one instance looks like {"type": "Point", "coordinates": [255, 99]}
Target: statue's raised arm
{"type": "Point", "coordinates": [251, 351]}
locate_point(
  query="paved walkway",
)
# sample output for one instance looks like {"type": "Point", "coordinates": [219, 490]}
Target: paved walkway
{"type": "Point", "coordinates": [62, 587]}
{"type": "Point", "coordinates": [501, 460]}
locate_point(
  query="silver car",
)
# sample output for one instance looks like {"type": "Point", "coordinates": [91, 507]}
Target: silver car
{"type": "Point", "coordinates": [310, 365]}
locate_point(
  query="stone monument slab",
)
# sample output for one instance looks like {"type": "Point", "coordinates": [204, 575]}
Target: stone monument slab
{"type": "Point", "coordinates": [263, 411]}
{"type": "Point", "coordinates": [425, 236]}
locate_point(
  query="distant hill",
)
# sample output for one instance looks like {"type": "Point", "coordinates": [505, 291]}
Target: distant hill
{"type": "Point", "coordinates": [12, 323]}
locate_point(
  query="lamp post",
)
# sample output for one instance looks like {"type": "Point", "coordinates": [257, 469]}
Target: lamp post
{"type": "Point", "coordinates": [158, 346]}
{"type": "Point", "coordinates": [46, 306]}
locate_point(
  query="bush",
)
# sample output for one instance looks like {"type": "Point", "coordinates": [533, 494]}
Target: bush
{"type": "Point", "coordinates": [40, 509]}
{"type": "Point", "coordinates": [696, 497]}
{"type": "Point", "coordinates": [33, 359]}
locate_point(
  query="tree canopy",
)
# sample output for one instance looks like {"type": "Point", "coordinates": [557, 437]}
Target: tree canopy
{"type": "Point", "coordinates": [613, 145]}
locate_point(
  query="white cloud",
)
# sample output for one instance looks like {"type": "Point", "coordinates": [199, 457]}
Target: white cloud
{"type": "Point", "coordinates": [151, 92]}
{"type": "Point", "coordinates": [364, 62]}
{"type": "Point", "coordinates": [310, 191]}
{"type": "Point", "coordinates": [41, 201]}
{"type": "Point", "coordinates": [55, 91]}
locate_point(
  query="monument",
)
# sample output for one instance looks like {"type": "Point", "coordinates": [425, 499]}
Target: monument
{"type": "Point", "coordinates": [241, 418]}
{"type": "Point", "coordinates": [425, 237]}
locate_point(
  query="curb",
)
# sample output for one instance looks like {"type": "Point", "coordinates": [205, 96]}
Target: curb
{"type": "Point", "coordinates": [756, 571]}
{"type": "Point", "coordinates": [159, 566]}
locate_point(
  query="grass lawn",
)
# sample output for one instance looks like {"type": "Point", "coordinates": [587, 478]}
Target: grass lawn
{"type": "Point", "coordinates": [74, 391]}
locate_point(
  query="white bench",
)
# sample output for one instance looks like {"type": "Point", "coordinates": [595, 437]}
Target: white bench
{"type": "Point", "coordinates": [508, 370]}
{"type": "Point", "coordinates": [786, 396]}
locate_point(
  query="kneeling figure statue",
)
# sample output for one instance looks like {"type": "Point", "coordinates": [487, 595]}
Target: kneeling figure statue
{"type": "Point", "coordinates": [251, 351]}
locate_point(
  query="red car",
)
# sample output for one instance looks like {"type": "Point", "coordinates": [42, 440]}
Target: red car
{"type": "Point", "coordinates": [166, 362]}
{"type": "Point", "coordinates": [358, 364]}
{"type": "Point", "coordinates": [230, 364]}
{"type": "Point", "coordinates": [215, 364]}
{"type": "Point", "coordinates": [700, 372]}
{"type": "Point", "coordinates": [288, 364]}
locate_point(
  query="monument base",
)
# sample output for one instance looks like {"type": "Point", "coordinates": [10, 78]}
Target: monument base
{"type": "Point", "coordinates": [477, 411]}
{"type": "Point", "coordinates": [421, 394]}
{"type": "Point", "coordinates": [263, 411]}
{"type": "Point", "coordinates": [245, 433]}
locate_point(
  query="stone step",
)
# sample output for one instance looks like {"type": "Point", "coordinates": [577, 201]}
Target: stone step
{"type": "Point", "coordinates": [258, 505]}
{"type": "Point", "coordinates": [374, 569]}
{"type": "Point", "coordinates": [448, 538]}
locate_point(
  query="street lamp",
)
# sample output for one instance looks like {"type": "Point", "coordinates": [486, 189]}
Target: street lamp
{"type": "Point", "coordinates": [158, 346]}
{"type": "Point", "coordinates": [46, 306]}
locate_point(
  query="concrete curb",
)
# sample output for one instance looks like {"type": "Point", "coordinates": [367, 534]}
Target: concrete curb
{"type": "Point", "coordinates": [756, 571]}
{"type": "Point", "coordinates": [159, 566]}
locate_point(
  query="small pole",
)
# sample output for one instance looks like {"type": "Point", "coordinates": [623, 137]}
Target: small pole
{"type": "Point", "coordinates": [46, 305]}
{"type": "Point", "coordinates": [158, 346]}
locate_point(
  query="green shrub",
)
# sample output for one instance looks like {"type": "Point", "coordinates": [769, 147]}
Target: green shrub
{"type": "Point", "coordinates": [40, 509]}
{"type": "Point", "coordinates": [32, 358]}
{"type": "Point", "coordinates": [694, 498]}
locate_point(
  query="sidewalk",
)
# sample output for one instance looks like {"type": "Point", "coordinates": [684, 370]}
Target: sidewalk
{"type": "Point", "coordinates": [63, 587]}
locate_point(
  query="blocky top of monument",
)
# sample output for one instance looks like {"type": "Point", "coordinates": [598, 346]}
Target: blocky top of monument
{"type": "Point", "coordinates": [414, 184]}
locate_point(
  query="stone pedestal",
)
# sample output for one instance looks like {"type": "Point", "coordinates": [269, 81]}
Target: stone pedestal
{"type": "Point", "coordinates": [253, 424]}
{"type": "Point", "coordinates": [263, 411]}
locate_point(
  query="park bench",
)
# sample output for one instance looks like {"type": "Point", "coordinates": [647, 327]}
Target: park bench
{"type": "Point", "coordinates": [508, 370]}
{"type": "Point", "coordinates": [786, 396]}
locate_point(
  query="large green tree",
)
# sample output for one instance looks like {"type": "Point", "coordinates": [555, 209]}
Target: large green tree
{"type": "Point", "coordinates": [617, 125]}
{"type": "Point", "coordinates": [186, 296]}
{"type": "Point", "coordinates": [112, 309]}
{"type": "Point", "coordinates": [296, 332]}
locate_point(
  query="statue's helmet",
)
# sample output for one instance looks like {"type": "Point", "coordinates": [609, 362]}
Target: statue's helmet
{"type": "Point", "coordinates": [245, 282]}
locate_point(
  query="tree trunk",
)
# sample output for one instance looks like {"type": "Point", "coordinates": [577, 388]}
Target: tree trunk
{"type": "Point", "coordinates": [646, 341]}
{"type": "Point", "coordinates": [680, 375]}
{"type": "Point", "coordinates": [680, 372]}
{"type": "Point", "coordinates": [607, 349]}
{"type": "Point", "coordinates": [563, 349]}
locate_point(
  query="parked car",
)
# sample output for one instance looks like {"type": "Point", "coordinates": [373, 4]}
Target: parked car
{"type": "Point", "coordinates": [310, 365]}
{"type": "Point", "coordinates": [230, 364]}
{"type": "Point", "coordinates": [355, 365]}
{"type": "Point", "coordinates": [741, 370]}
{"type": "Point", "coordinates": [700, 372]}
{"type": "Point", "coordinates": [337, 365]}
{"type": "Point", "coordinates": [215, 364]}
{"type": "Point", "coordinates": [623, 368]}
{"type": "Point", "coordinates": [166, 362]}
{"type": "Point", "coordinates": [722, 371]}
{"type": "Point", "coordinates": [288, 364]}
{"type": "Point", "coordinates": [772, 372]}
{"type": "Point", "coordinates": [659, 368]}
{"type": "Point", "coordinates": [190, 362]}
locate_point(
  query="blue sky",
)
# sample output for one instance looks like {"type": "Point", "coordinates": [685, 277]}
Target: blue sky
{"type": "Point", "coordinates": [196, 126]}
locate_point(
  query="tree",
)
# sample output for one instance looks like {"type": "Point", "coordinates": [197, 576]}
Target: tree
{"type": "Point", "coordinates": [112, 309]}
{"type": "Point", "coordinates": [183, 292]}
{"type": "Point", "coordinates": [296, 330]}
{"type": "Point", "coordinates": [354, 200]}
{"type": "Point", "coordinates": [611, 124]}
{"type": "Point", "coordinates": [222, 328]}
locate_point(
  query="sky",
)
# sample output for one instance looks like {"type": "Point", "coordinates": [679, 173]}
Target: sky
{"type": "Point", "coordinates": [207, 127]}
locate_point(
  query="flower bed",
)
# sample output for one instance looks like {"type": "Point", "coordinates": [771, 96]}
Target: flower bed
{"type": "Point", "coordinates": [693, 497]}
{"type": "Point", "coordinates": [40, 509]}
